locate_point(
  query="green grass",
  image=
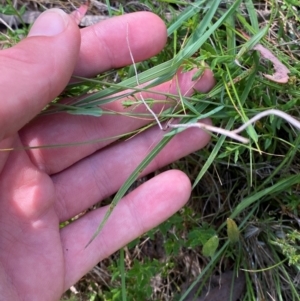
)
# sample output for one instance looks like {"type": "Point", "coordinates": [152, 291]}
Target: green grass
{"type": "Point", "coordinates": [256, 185]}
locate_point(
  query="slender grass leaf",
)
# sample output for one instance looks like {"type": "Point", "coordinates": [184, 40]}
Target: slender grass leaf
{"type": "Point", "coordinates": [282, 185]}
{"type": "Point", "coordinates": [193, 120]}
{"type": "Point", "coordinates": [133, 177]}
{"type": "Point", "coordinates": [213, 154]}
{"type": "Point", "coordinates": [211, 264]}
{"type": "Point", "coordinates": [97, 112]}
{"type": "Point", "coordinates": [185, 15]}
{"type": "Point", "coordinates": [200, 35]}
{"type": "Point", "coordinates": [123, 274]}
{"type": "Point", "coordinates": [165, 70]}
{"type": "Point", "coordinates": [252, 41]}
{"type": "Point", "coordinates": [252, 13]}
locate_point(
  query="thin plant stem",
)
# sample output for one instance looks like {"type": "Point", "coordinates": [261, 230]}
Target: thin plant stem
{"type": "Point", "coordinates": [137, 81]}
{"type": "Point", "coordinates": [279, 113]}
{"type": "Point", "coordinates": [211, 128]}
{"type": "Point", "coordinates": [233, 134]}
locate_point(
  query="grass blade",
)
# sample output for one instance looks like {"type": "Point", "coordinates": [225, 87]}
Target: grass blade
{"type": "Point", "coordinates": [280, 186]}
{"type": "Point", "coordinates": [133, 177]}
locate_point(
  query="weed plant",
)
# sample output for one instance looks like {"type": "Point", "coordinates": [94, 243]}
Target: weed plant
{"type": "Point", "coordinates": [243, 214]}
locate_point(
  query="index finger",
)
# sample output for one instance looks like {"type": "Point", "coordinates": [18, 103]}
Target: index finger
{"type": "Point", "coordinates": [104, 45]}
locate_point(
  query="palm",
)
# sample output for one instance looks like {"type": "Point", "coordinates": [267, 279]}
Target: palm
{"type": "Point", "coordinates": [31, 249]}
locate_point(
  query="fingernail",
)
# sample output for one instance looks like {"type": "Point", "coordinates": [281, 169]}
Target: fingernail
{"type": "Point", "coordinates": [50, 23]}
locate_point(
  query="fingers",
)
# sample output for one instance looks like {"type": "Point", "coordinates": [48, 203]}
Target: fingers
{"type": "Point", "coordinates": [64, 128]}
{"type": "Point", "coordinates": [104, 45]}
{"type": "Point", "coordinates": [37, 69]}
{"type": "Point", "coordinates": [102, 174]}
{"type": "Point", "coordinates": [144, 208]}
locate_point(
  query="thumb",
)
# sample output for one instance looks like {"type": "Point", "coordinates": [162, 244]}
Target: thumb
{"type": "Point", "coordinates": [37, 69]}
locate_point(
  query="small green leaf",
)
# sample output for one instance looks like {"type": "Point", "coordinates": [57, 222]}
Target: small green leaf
{"type": "Point", "coordinates": [232, 230]}
{"type": "Point", "coordinates": [198, 74]}
{"type": "Point", "coordinates": [97, 112]}
{"type": "Point", "coordinates": [210, 246]}
{"type": "Point", "coordinates": [199, 237]}
{"type": "Point", "coordinates": [268, 143]}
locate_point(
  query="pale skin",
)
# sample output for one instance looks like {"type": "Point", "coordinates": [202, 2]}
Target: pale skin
{"type": "Point", "coordinates": [41, 188]}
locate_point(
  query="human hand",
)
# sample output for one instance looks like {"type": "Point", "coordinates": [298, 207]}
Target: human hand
{"type": "Point", "coordinates": [40, 188]}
